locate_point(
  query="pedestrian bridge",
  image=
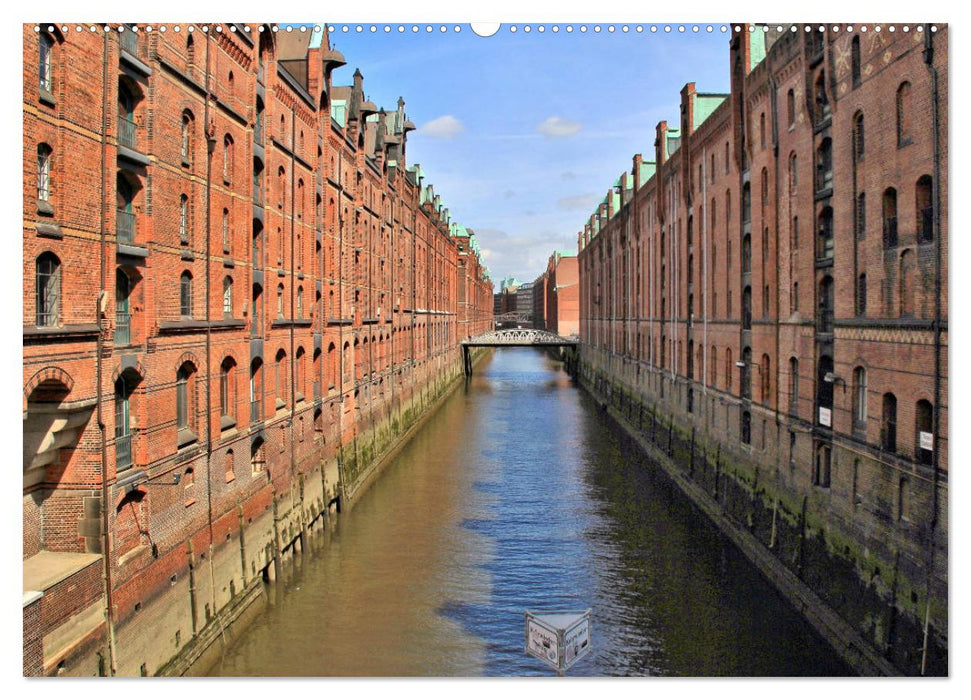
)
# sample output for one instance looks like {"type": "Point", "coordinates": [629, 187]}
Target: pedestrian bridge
{"type": "Point", "coordinates": [514, 337]}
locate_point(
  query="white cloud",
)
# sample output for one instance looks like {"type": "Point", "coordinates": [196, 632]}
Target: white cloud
{"type": "Point", "coordinates": [558, 128]}
{"type": "Point", "coordinates": [579, 201]}
{"type": "Point", "coordinates": [444, 127]}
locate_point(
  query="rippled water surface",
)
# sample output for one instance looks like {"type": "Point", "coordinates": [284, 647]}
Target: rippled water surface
{"type": "Point", "coordinates": [520, 494]}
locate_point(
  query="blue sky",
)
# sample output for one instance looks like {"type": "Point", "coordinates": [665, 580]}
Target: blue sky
{"type": "Point", "coordinates": [522, 134]}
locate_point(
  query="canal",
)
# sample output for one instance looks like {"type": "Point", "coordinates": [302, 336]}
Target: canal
{"type": "Point", "coordinates": [521, 493]}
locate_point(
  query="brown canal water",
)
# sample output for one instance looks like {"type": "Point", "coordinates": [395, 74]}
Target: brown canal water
{"type": "Point", "coordinates": [520, 493]}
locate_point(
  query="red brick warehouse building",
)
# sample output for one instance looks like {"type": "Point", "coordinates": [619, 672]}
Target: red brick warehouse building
{"type": "Point", "coordinates": [237, 296]}
{"type": "Point", "coordinates": [771, 287]}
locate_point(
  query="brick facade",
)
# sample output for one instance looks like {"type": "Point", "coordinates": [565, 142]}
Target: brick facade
{"type": "Point", "coordinates": [230, 274]}
{"type": "Point", "coordinates": [775, 279]}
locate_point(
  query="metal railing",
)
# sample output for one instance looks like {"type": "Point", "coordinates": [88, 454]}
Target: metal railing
{"type": "Point", "coordinates": [123, 451]}
{"type": "Point", "coordinates": [127, 132]}
{"type": "Point", "coordinates": [122, 328]}
{"type": "Point", "coordinates": [125, 223]}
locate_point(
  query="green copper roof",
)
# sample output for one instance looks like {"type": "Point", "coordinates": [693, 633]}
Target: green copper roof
{"type": "Point", "coordinates": [317, 38]}
{"type": "Point", "coordinates": [648, 168]}
{"type": "Point", "coordinates": [338, 110]}
{"type": "Point", "coordinates": [705, 105]}
{"type": "Point", "coordinates": [615, 196]}
{"type": "Point", "coordinates": [565, 254]}
{"type": "Point", "coordinates": [756, 48]}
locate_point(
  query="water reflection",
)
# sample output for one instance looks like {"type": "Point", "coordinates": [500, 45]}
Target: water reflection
{"type": "Point", "coordinates": [520, 494]}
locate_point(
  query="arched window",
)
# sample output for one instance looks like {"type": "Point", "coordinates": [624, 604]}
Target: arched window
{"type": "Point", "coordinates": [281, 183]}
{"type": "Point", "coordinates": [888, 423]}
{"type": "Point", "coordinates": [791, 108]}
{"type": "Point", "coordinates": [747, 308]}
{"type": "Point", "coordinates": [821, 101]}
{"type": "Point", "coordinates": [298, 373]}
{"type": "Point", "coordinates": [227, 234]}
{"type": "Point", "coordinates": [280, 379]}
{"type": "Point", "coordinates": [279, 301]}
{"type": "Point", "coordinates": [925, 209]}
{"type": "Point", "coordinates": [332, 366]}
{"type": "Point", "coordinates": [713, 367]}
{"type": "Point", "coordinates": [924, 432]}
{"type": "Point", "coordinates": [185, 295]}
{"type": "Point", "coordinates": [228, 297]}
{"type": "Point", "coordinates": [258, 182]}
{"type": "Point", "coordinates": [44, 153]}
{"type": "Point", "coordinates": [230, 461]}
{"type": "Point", "coordinates": [889, 218]}
{"type": "Point", "coordinates": [746, 428]}
{"type": "Point", "coordinates": [793, 386]}
{"type": "Point", "coordinates": [762, 130]}
{"type": "Point", "coordinates": [746, 203]}
{"type": "Point", "coordinates": [300, 203]}
{"type": "Point", "coordinates": [190, 50]}
{"type": "Point", "coordinates": [858, 139]}
{"type": "Point", "coordinates": [48, 293]}
{"type": "Point", "coordinates": [903, 114]}
{"type": "Point", "coordinates": [227, 387]}
{"type": "Point", "coordinates": [861, 295]}
{"type": "Point", "coordinates": [793, 172]}
{"type": "Point", "coordinates": [257, 459]}
{"type": "Point", "coordinates": [185, 403]}
{"type": "Point", "coordinates": [299, 302]}
{"type": "Point", "coordinates": [855, 60]}
{"type": "Point", "coordinates": [747, 253]}
{"type": "Point", "coordinates": [766, 376]}
{"type": "Point", "coordinates": [186, 144]}
{"type": "Point", "coordinates": [125, 220]}
{"type": "Point", "coordinates": [227, 159]}
{"type": "Point", "coordinates": [183, 220]}
{"type": "Point", "coordinates": [859, 216]}
{"type": "Point", "coordinates": [45, 69]}
{"type": "Point", "coordinates": [745, 372]}
{"type": "Point", "coordinates": [859, 397]}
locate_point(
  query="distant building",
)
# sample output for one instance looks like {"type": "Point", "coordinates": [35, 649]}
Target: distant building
{"type": "Point", "coordinates": [539, 302]}
{"type": "Point", "coordinates": [562, 294]}
{"type": "Point", "coordinates": [524, 300]}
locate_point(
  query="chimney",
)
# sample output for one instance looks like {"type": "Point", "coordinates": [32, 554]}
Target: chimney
{"type": "Point", "coordinates": [638, 160]}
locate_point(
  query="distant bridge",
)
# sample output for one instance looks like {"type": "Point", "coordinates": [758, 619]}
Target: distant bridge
{"type": "Point", "coordinates": [514, 337]}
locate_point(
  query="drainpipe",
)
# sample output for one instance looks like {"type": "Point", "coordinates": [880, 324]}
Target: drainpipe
{"type": "Point", "coordinates": [102, 298]}
{"type": "Point", "coordinates": [936, 193]}
{"type": "Point", "coordinates": [293, 281]}
{"type": "Point", "coordinates": [704, 258]}
{"type": "Point", "coordinates": [210, 148]}
{"type": "Point", "coordinates": [778, 311]}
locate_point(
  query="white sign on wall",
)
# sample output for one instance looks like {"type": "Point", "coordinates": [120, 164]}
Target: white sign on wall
{"type": "Point", "coordinates": [560, 639]}
{"type": "Point", "coordinates": [825, 417]}
{"type": "Point", "coordinates": [926, 440]}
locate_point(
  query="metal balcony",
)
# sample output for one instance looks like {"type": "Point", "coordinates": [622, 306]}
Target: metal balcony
{"type": "Point", "coordinates": [127, 132]}
{"type": "Point", "coordinates": [123, 451]}
{"type": "Point", "coordinates": [122, 328]}
{"type": "Point", "coordinates": [125, 224]}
